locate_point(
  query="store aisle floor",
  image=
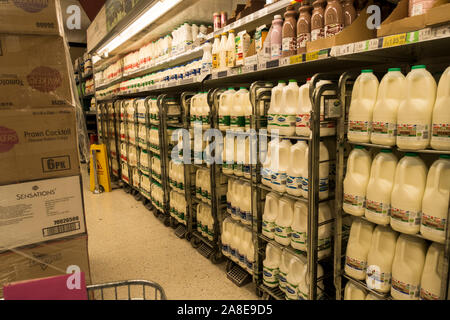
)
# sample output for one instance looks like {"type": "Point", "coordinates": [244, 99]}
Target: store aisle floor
{"type": "Point", "coordinates": [126, 241]}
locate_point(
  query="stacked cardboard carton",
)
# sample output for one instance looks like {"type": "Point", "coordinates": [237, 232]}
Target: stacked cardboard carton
{"type": "Point", "coordinates": [42, 225]}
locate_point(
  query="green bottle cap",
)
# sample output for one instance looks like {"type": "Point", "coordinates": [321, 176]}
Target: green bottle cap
{"type": "Point", "coordinates": [411, 154]}
{"type": "Point", "coordinates": [367, 71]}
{"type": "Point", "coordinates": [242, 88]}
{"type": "Point", "coordinates": [292, 80]}
{"type": "Point", "coordinates": [359, 147]}
{"type": "Point", "coordinates": [394, 69]}
{"type": "Point", "coordinates": [386, 150]}
{"type": "Point", "coordinates": [230, 88]}
{"type": "Point", "coordinates": [281, 81]}
{"type": "Point", "coordinates": [444, 156]}
{"type": "Point", "coordinates": [419, 66]}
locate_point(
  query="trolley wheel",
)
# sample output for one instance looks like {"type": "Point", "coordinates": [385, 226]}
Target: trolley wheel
{"type": "Point", "coordinates": [126, 189]}
{"type": "Point", "coordinates": [173, 222]}
{"type": "Point", "coordinates": [195, 242]}
{"type": "Point", "coordinates": [216, 257]}
{"type": "Point", "coordinates": [155, 212]}
{"type": "Point", "coordinates": [188, 236]}
{"type": "Point", "coordinates": [229, 265]}
{"type": "Point", "coordinates": [167, 221]}
{"type": "Point", "coordinates": [138, 196]}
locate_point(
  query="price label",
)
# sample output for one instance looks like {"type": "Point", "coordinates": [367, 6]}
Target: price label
{"type": "Point", "coordinates": [395, 40]}
{"type": "Point", "coordinates": [310, 56]}
{"type": "Point", "coordinates": [222, 74]}
{"type": "Point", "coordinates": [373, 44]}
{"type": "Point", "coordinates": [284, 61]}
{"type": "Point", "coordinates": [347, 48]}
{"type": "Point", "coordinates": [249, 18]}
{"type": "Point", "coordinates": [412, 37]}
{"type": "Point", "coordinates": [361, 46]}
{"type": "Point", "coordinates": [249, 68]}
{"type": "Point", "coordinates": [272, 64]}
{"type": "Point", "coordinates": [425, 34]}
{"type": "Point", "coordinates": [296, 59]}
{"type": "Point", "coordinates": [441, 32]}
{"type": "Point", "coordinates": [262, 66]}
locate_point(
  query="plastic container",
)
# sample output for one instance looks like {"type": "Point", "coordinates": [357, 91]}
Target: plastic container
{"type": "Point", "coordinates": [407, 194]}
{"type": "Point", "coordinates": [358, 248]}
{"type": "Point", "coordinates": [353, 292]}
{"type": "Point", "coordinates": [289, 109]}
{"type": "Point", "coordinates": [415, 111]}
{"type": "Point", "coordinates": [293, 278]}
{"type": "Point", "coordinates": [286, 258]}
{"type": "Point", "coordinates": [270, 214]}
{"type": "Point", "coordinates": [279, 163]}
{"type": "Point", "coordinates": [271, 266]}
{"type": "Point", "coordinates": [356, 180]}
{"type": "Point", "coordinates": [440, 139]}
{"type": "Point", "coordinates": [283, 221]}
{"type": "Point", "coordinates": [302, 126]}
{"type": "Point", "coordinates": [296, 169]}
{"type": "Point", "coordinates": [275, 106]}
{"type": "Point", "coordinates": [433, 273]}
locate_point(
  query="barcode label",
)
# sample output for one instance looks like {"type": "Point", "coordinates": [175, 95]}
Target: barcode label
{"type": "Point", "coordinates": [51, 231]}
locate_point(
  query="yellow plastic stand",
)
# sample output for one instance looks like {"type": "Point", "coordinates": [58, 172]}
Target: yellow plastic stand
{"type": "Point", "coordinates": [103, 176]}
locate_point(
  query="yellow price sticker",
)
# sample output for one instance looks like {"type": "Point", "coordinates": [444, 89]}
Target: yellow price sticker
{"type": "Point", "coordinates": [396, 40]}
{"type": "Point", "coordinates": [312, 56]}
{"type": "Point", "coordinates": [296, 59]}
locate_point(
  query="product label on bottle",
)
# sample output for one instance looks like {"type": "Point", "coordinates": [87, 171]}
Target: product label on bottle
{"type": "Point", "coordinates": [359, 127]}
{"type": "Point", "coordinates": [291, 291]}
{"type": "Point", "coordinates": [243, 214]}
{"type": "Point", "coordinates": [268, 227]}
{"type": "Point", "coordinates": [246, 169]}
{"type": "Point", "coordinates": [356, 264]}
{"type": "Point", "coordinates": [215, 60]}
{"type": "Point", "coordinates": [272, 119]}
{"type": "Point", "coordinates": [412, 132]}
{"type": "Point", "coordinates": [233, 252]}
{"type": "Point", "coordinates": [305, 184]}
{"type": "Point", "coordinates": [249, 217]}
{"type": "Point", "coordinates": [405, 288]}
{"type": "Point", "coordinates": [230, 59]}
{"type": "Point", "coordinates": [279, 178]}
{"type": "Point", "coordinates": [427, 295]}
{"type": "Point", "coordinates": [294, 183]}
{"type": "Point", "coordinates": [302, 38]}
{"type": "Point", "coordinates": [237, 121]}
{"type": "Point", "coordinates": [441, 131]}
{"type": "Point", "coordinates": [283, 232]}
{"type": "Point", "coordinates": [288, 44]}
{"type": "Point", "coordinates": [275, 51]}
{"type": "Point", "coordinates": [411, 218]}
{"type": "Point", "coordinates": [302, 120]}
{"type": "Point", "coordinates": [323, 184]}
{"type": "Point", "coordinates": [229, 207]}
{"type": "Point", "coordinates": [225, 249]}
{"type": "Point", "coordinates": [433, 223]}
{"type": "Point", "coordinates": [266, 174]}
{"type": "Point", "coordinates": [354, 201]}
{"type": "Point", "coordinates": [298, 237]}
{"type": "Point", "coordinates": [317, 34]}
{"type": "Point", "coordinates": [270, 275]}
{"type": "Point", "coordinates": [323, 244]}
{"type": "Point", "coordinates": [241, 257]}
{"type": "Point", "coordinates": [376, 278]}
{"type": "Point", "coordinates": [247, 121]}
{"type": "Point", "coordinates": [286, 121]}
{"type": "Point", "coordinates": [384, 129]}
{"type": "Point", "coordinates": [379, 208]}
{"type": "Point", "coordinates": [234, 211]}
{"type": "Point", "coordinates": [282, 280]}
{"type": "Point", "coordinates": [333, 29]}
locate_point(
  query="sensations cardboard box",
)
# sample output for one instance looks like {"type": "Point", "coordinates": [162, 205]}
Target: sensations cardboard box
{"type": "Point", "coordinates": [33, 71]}
{"type": "Point", "coordinates": [38, 211]}
{"type": "Point", "coordinates": [44, 260]}
{"type": "Point", "coordinates": [29, 16]}
{"type": "Point", "coordinates": [37, 143]}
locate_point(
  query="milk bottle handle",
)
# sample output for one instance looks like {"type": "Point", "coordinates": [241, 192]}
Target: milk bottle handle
{"type": "Point", "coordinates": [403, 250]}
{"type": "Point", "coordinates": [439, 169]}
{"type": "Point", "coordinates": [351, 163]}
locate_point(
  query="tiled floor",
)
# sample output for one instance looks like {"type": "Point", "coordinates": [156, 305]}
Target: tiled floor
{"type": "Point", "coordinates": [126, 241]}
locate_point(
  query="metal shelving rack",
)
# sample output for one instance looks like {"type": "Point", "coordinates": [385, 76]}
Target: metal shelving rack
{"type": "Point", "coordinates": [346, 82]}
{"type": "Point", "coordinates": [327, 94]}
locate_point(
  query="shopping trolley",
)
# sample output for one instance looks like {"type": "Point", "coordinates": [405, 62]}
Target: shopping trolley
{"type": "Point", "coordinates": [131, 289]}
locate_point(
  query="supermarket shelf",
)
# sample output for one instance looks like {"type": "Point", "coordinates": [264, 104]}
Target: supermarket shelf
{"type": "Point", "coordinates": [275, 293]}
{"type": "Point", "coordinates": [371, 145]}
{"type": "Point", "coordinates": [297, 253]}
{"type": "Point", "coordinates": [239, 222]}
{"type": "Point", "coordinates": [364, 286]}
{"type": "Point", "coordinates": [379, 146]}
{"type": "Point", "coordinates": [430, 151]}
{"type": "Point", "coordinates": [231, 176]}
{"type": "Point", "coordinates": [203, 239]}
{"type": "Point", "coordinates": [282, 194]}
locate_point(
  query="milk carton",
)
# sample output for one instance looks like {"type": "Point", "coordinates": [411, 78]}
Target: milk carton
{"type": "Point", "coordinates": [407, 267]}
{"type": "Point", "coordinates": [391, 93]}
{"type": "Point", "coordinates": [407, 194]}
{"type": "Point", "coordinates": [440, 139]}
{"type": "Point", "coordinates": [358, 248]}
{"type": "Point", "coordinates": [415, 111]}
{"type": "Point", "coordinates": [433, 273]}
{"type": "Point", "coordinates": [435, 201]}
{"type": "Point", "coordinates": [379, 188]}
{"type": "Point", "coordinates": [356, 180]}
{"type": "Point", "coordinates": [380, 257]}
{"type": "Point", "coordinates": [364, 96]}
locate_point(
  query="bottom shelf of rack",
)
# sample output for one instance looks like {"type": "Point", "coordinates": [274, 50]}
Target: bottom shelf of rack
{"type": "Point", "coordinates": [364, 286]}
{"type": "Point", "coordinates": [275, 293]}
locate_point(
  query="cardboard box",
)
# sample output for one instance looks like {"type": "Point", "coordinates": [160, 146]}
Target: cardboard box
{"type": "Point", "coordinates": [96, 30]}
{"type": "Point", "coordinates": [29, 16]}
{"type": "Point", "coordinates": [355, 32]}
{"type": "Point", "coordinates": [33, 71]}
{"type": "Point", "coordinates": [44, 260]}
{"type": "Point", "coordinates": [37, 144]}
{"type": "Point", "coordinates": [38, 211]}
{"type": "Point", "coordinates": [399, 22]}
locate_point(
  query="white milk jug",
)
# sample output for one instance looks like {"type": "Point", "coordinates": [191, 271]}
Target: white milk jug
{"type": "Point", "coordinates": [250, 257]}
{"type": "Point", "coordinates": [296, 169]}
{"type": "Point", "coordinates": [141, 110]}
{"type": "Point", "coordinates": [440, 138]}
{"type": "Point", "coordinates": [236, 200]}
{"type": "Point", "coordinates": [391, 93]}
{"type": "Point", "coordinates": [356, 180]}
{"type": "Point", "coordinates": [433, 273]}
{"type": "Point", "coordinates": [371, 296]}
{"type": "Point", "coordinates": [271, 266]}
{"type": "Point", "coordinates": [225, 104]}
{"type": "Point", "coordinates": [283, 221]}
{"type": "Point", "coordinates": [240, 156]}
{"type": "Point", "coordinates": [245, 209]}
{"type": "Point", "coordinates": [245, 242]}
{"type": "Point", "coordinates": [303, 287]}
{"type": "Point", "coordinates": [379, 259]}
{"type": "Point", "coordinates": [231, 249]}
{"type": "Point", "coordinates": [266, 163]}
{"type": "Point", "coordinates": [286, 258]}
{"type": "Point", "coordinates": [353, 292]}
{"type": "Point", "coordinates": [275, 106]}
{"type": "Point", "coordinates": [227, 166]}
{"type": "Point", "coordinates": [435, 201]}
{"type": "Point", "coordinates": [289, 109]}
{"type": "Point", "coordinates": [407, 194]}
{"type": "Point", "coordinates": [324, 172]}
{"type": "Point", "coordinates": [237, 116]}
{"type": "Point", "coordinates": [364, 96]}
{"type": "Point", "coordinates": [379, 188]}
{"type": "Point", "coordinates": [415, 111]}
{"type": "Point", "coordinates": [293, 278]}
{"type": "Point", "coordinates": [132, 156]}
{"type": "Point", "coordinates": [270, 214]}
{"type": "Point", "coordinates": [358, 248]}
{"type": "Point", "coordinates": [248, 111]}
{"type": "Point", "coordinates": [279, 165]}
{"type": "Point", "coordinates": [230, 195]}
{"type": "Point", "coordinates": [407, 267]}
{"type": "Point", "coordinates": [304, 106]}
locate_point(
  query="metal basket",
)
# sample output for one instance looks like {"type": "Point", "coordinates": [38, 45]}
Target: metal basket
{"type": "Point", "coordinates": [127, 290]}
